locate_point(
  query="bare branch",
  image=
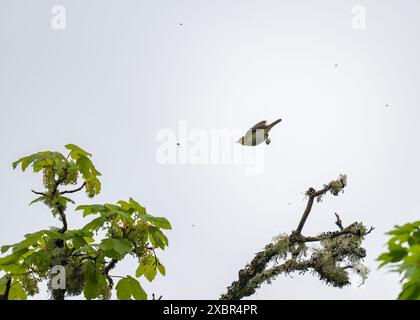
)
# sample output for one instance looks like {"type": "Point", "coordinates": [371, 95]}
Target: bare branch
{"type": "Point", "coordinates": [307, 211]}
{"type": "Point", "coordinates": [75, 190]}
{"type": "Point", "coordinates": [334, 187]}
{"type": "Point", "coordinates": [370, 230]}
{"type": "Point", "coordinates": [154, 297]}
{"type": "Point", "coordinates": [39, 193]}
{"type": "Point", "coordinates": [338, 222]}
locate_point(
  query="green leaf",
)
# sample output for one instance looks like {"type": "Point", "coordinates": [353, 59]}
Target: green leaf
{"type": "Point", "coordinates": [31, 239]}
{"type": "Point", "coordinates": [63, 200]}
{"type": "Point", "coordinates": [78, 242]}
{"type": "Point", "coordinates": [15, 256]}
{"type": "Point", "coordinates": [76, 152]}
{"type": "Point", "coordinates": [405, 229]}
{"type": "Point", "coordinates": [95, 224]}
{"type": "Point", "coordinates": [95, 283]}
{"type": "Point", "coordinates": [129, 287]}
{"type": "Point", "coordinates": [397, 252]}
{"type": "Point", "coordinates": [157, 238]}
{"type": "Point", "coordinates": [84, 164]}
{"type": "Point", "coordinates": [115, 248]}
{"type": "Point", "coordinates": [40, 259]}
{"type": "Point", "coordinates": [55, 235]}
{"type": "Point", "coordinates": [125, 206]}
{"type": "Point", "coordinates": [17, 292]}
{"type": "Point", "coordinates": [25, 161]}
{"type": "Point", "coordinates": [159, 222]}
{"type": "Point", "coordinates": [41, 198]}
{"type": "Point", "coordinates": [3, 282]}
{"type": "Point", "coordinates": [136, 206]}
{"type": "Point", "coordinates": [5, 248]}
{"type": "Point", "coordinates": [385, 258]}
{"type": "Point", "coordinates": [91, 209]}
{"type": "Point", "coordinates": [411, 290]}
{"type": "Point", "coordinates": [404, 257]}
{"type": "Point", "coordinates": [161, 269]}
{"type": "Point", "coordinates": [147, 267]}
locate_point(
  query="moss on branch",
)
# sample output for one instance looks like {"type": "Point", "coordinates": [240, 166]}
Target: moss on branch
{"type": "Point", "coordinates": [336, 254]}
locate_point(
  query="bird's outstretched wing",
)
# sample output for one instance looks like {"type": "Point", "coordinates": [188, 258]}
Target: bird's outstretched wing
{"type": "Point", "coordinates": [260, 125]}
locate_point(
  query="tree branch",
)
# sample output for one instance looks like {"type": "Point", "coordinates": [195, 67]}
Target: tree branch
{"type": "Point", "coordinates": [39, 193]}
{"type": "Point", "coordinates": [63, 218]}
{"type": "Point", "coordinates": [57, 184]}
{"type": "Point", "coordinates": [75, 190]}
{"type": "Point", "coordinates": [331, 235]}
{"type": "Point", "coordinates": [334, 187]}
{"type": "Point", "coordinates": [338, 222]}
{"type": "Point", "coordinates": [154, 297]}
{"type": "Point", "coordinates": [337, 247]}
{"type": "Point", "coordinates": [111, 265]}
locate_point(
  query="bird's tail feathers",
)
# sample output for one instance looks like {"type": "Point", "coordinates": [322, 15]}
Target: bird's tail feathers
{"type": "Point", "coordinates": [273, 124]}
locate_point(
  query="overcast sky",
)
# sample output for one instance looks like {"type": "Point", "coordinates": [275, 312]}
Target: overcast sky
{"type": "Point", "coordinates": [122, 71]}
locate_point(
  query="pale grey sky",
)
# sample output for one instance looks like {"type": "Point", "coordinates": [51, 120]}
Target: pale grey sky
{"type": "Point", "coordinates": [123, 70]}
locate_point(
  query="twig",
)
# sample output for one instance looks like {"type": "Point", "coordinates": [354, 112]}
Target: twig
{"type": "Point", "coordinates": [75, 190]}
{"type": "Point", "coordinates": [338, 222]}
{"type": "Point", "coordinates": [312, 194]}
{"type": "Point", "coordinates": [154, 253]}
{"type": "Point", "coordinates": [154, 297]}
{"type": "Point", "coordinates": [39, 193]}
{"type": "Point", "coordinates": [370, 230]}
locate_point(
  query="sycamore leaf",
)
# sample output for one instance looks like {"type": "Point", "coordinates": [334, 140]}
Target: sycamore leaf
{"type": "Point", "coordinates": [411, 290]}
{"type": "Point", "coordinates": [115, 248]}
{"type": "Point", "coordinates": [15, 256]}
{"type": "Point", "coordinates": [161, 269]}
{"type": "Point", "coordinates": [5, 248]}
{"type": "Point", "coordinates": [129, 287]}
{"type": "Point", "coordinates": [31, 239]}
{"type": "Point", "coordinates": [147, 267]}
{"type": "Point", "coordinates": [3, 281]}
{"type": "Point", "coordinates": [41, 198]}
{"type": "Point", "coordinates": [17, 292]}
{"type": "Point", "coordinates": [76, 152]}
{"type": "Point", "coordinates": [63, 201]}
{"type": "Point", "coordinates": [157, 238]}
{"type": "Point", "coordinates": [91, 209]}
{"type": "Point", "coordinates": [136, 206]}
{"type": "Point", "coordinates": [95, 224]}
{"type": "Point", "coordinates": [158, 222]}
{"type": "Point", "coordinates": [94, 285]}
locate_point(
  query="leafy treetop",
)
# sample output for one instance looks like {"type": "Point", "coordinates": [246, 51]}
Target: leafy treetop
{"type": "Point", "coordinates": [88, 254]}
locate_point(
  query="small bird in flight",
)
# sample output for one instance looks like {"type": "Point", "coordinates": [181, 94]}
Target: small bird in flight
{"type": "Point", "coordinates": [257, 134]}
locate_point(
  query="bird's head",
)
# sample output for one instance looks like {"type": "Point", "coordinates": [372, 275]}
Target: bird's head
{"type": "Point", "coordinates": [240, 140]}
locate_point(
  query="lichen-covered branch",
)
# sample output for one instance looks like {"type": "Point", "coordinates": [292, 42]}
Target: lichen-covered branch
{"type": "Point", "coordinates": [338, 252]}
{"type": "Point", "coordinates": [335, 187]}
